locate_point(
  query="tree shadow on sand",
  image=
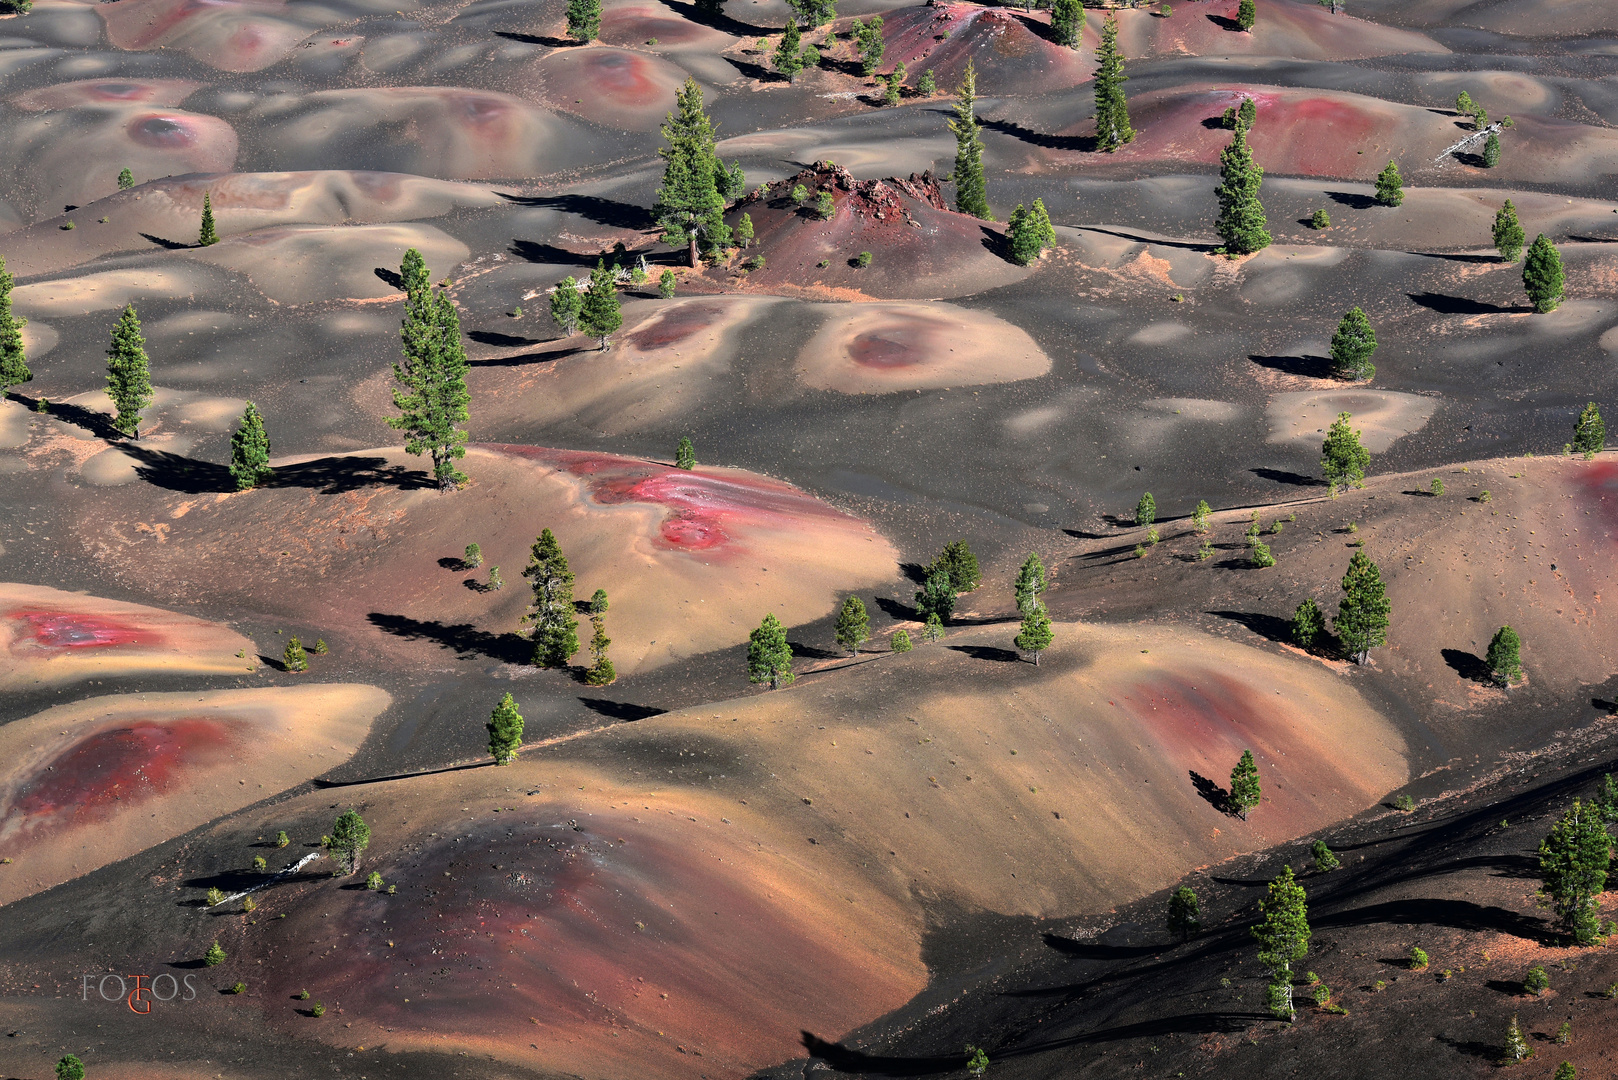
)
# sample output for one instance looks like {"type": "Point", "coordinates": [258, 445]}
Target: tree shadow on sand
{"type": "Point", "coordinates": [538, 39]}
{"type": "Point", "coordinates": [1272, 627]}
{"type": "Point", "coordinates": [1351, 200]}
{"type": "Point", "coordinates": [1468, 666]}
{"type": "Point", "coordinates": [1281, 476]}
{"type": "Point", "coordinates": [1211, 793]}
{"type": "Point", "coordinates": [1082, 143]}
{"type": "Point", "coordinates": [718, 20]}
{"type": "Point", "coordinates": [97, 424]}
{"type": "Point", "coordinates": [463, 638]}
{"type": "Point", "coordinates": [986, 652]}
{"type": "Point", "coordinates": [330, 476]}
{"type": "Point", "coordinates": [620, 710]}
{"type": "Point", "coordinates": [1455, 914]}
{"type": "Point", "coordinates": [1309, 367]}
{"type": "Point", "coordinates": [620, 215]}
{"type": "Point", "coordinates": [1226, 23]}
{"type": "Point", "coordinates": [1461, 305]}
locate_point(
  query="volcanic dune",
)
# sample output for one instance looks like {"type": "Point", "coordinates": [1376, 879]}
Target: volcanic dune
{"type": "Point", "coordinates": [49, 637]}
{"type": "Point", "coordinates": [1012, 52]}
{"type": "Point", "coordinates": [1296, 29]}
{"type": "Point", "coordinates": [887, 347]}
{"type": "Point", "coordinates": [691, 559]}
{"type": "Point", "coordinates": [920, 248]}
{"type": "Point", "coordinates": [297, 264]}
{"type": "Point", "coordinates": [1379, 416]}
{"type": "Point", "coordinates": [230, 35]}
{"type": "Point", "coordinates": [1520, 18]}
{"type": "Point", "coordinates": [91, 782]}
{"type": "Point", "coordinates": [617, 88]}
{"type": "Point", "coordinates": [635, 24]}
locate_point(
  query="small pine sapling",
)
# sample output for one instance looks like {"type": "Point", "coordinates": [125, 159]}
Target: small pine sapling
{"type": "Point", "coordinates": [1342, 459]}
{"type": "Point", "coordinates": [250, 451]}
{"type": "Point", "coordinates": [496, 582]}
{"type": "Point", "coordinates": [1504, 659]}
{"type": "Point", "coordinates": [1536, 981]}
{"type": "Point", "coordinates": [294, 658]}
{"type": "Point", "coordinates": [249, 905]}
{"type": "Point", "coordinates": [1418, 958]}
{"type": "Point", "coordinates": [207, 235]}
{"type": "Point", "coordinates": [1436, 487]}
{"type": "Point", "coordinates": [602, 672]}
{"type": "Point", "coordinates": [685, 454]}
{"type": "Point", "coordinates": [1390, 189]}
{"type": "Point", "coordinates": [214, 956]}
{"type": "Point", "coordinates": [1542, 275]}
{"type": "Point", "coordinates": [900, 641]}
{"type": "Point", "coordinates": [374, 882]}
{"type": "Point", "coordinates": [1320, 220]}
{"type": "Point", "coordinates": [1246, 15]}
{"type": "Point", "coordinates": [260, 863]}
{"type": "Point", "coordinates": [1185, 913]}
{"type": "Point", "coordinates": [863, 259]}
{"type": "Point", "coordinates": [1245, 789]}
{"type": "Point", "coordinates": [1491, 151]}
{"type": "Point", "coordinates": [927, 86]}
{"type": "Point", "coordinates": [505, 731]}
{"type": "Point", "coordinates": [1146, 510]}
{"type": "Point", "coordinates": [744, 231]}
{"type": "Point", "coordinates": [853, 625]}
{"type": "Point", "coordinates": [824, 206]}
{"type": "Point", "coordinates": [566, 303]}
{"type": "Point", "coordinates": [666, 282]}
{"type": "Point", "coordinates": [1352, 346]}
{"type": "Point", "coordinates": [1565, 1071]}
{"type": "Point", "coordinates": [894, 84]}
{"type": "Point", "coordinates": [318, 1009]}
{"type": "Point", "coordinates": [933, 629]}
{"type": "Point", "coordinates": [1199, 516]}
{"type": "Point", "coordinates": [1325, 859]}
{"type": "Point", "coordinates": [598, 602]}
{"type": "Point", "coordinates": [1035, 636]}
{"type": "Point", "coordinates": [1590, 434]}
{"type": "Point", "coordinates": [1564, 1034]}
{"type": "Point", "coordinates": [472, 558]}
{"type": "Point", "coordinates": [350, 836]}
{"type": "Point", "coordinates": [1509, 236]}
{"type": "Point", "coordinates": [126, 180]}
{"type": "Point", "coordinates": [69, 1067]}
{"type": "Point", "coordinates": [977, 1062]}
{"type": "Point", "coordinates": [1517, 1048]}
{"type": "Point", "coordinates": [214, 897]}
{"type": "Point", "coordinates": [769, 656]}
{"type": "Point", "coordinates": [321, 648]}
{"type": "Point", "coordinates": [282, 839]}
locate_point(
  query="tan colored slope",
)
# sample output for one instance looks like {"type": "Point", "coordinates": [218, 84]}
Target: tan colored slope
{"type": "Point", "coordinates": [1296, 29]}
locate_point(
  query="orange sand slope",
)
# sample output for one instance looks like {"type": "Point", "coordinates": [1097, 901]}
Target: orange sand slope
{"type": "Point", "coordinates": [95, 781]}
{"type": "Point", "coordinates": [49, 637]}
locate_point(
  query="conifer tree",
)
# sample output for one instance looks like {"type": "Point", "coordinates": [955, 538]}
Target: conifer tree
{"type": "Point", "coordinates": [206, 235]}
{"type": "Point", "coordinates": [1283, 938]}
{"type": "Point", "coordinates": [788, 58]}
{"type": "Point", "coordinates": [69, 1067]}
{"type": "Point", "coordinates": [566, 303]}
{"type": "Point", "coordinates": [1508, 233]}
{"type": "Point", "coordinates": [1491, 151]}
{"type": "Point", "coordinates": [853, 625]}
{"type": "Point", "coordinates": [432, 398]}
{"type": "Point", "coordinates": [1589, 435]}
{"type": "Point", "coordinates": [1185, 913]}
{"type": "Point", "coordinates": [814, 12]}
{"type": "Point", "coordinates": [1030, 583]}
{"type": "Point", "coordinates": [13, 358]}
{"type": "Point", "coordinates": [869, 45]}
{"type": "Point", "coordinates": [129, 378]}
{"type": "Point", "coordinates": [1035, 635]}
{"type": "Point", "coordinates": [250, 451]}
{"type": "Point", "coordinates": [598, 602]}
{"type": "Point", "coordinates": [744, 231]}
{"type": "Point", "coordinates": [1307, 624]}
{"type": "Point", "coordinates": [1326, 860]}
{"type": "Point", "coordinates": [602, 672]}
{"type": "Point", "coordinates": [505, 731]}
{"type": "Point", "coordinates": [1245, 790]}
{"type": "Point", "coordinates": [1247, 114]}
{"type": "Point", "coordinates": [1574, 861]}
{"type": "Point", "coordinates": [936, 597]}
{"type": "Point", "coordinates": [971, 190]}
{"type": "Point", "coordinates": [1146, 510]}
{"type": "Point", "coordinates": [1362, 613]}
{"type": "Point", "coordinates": [1343, 460]}
{"type": "Point", "coordinates": [960, 564]}
{"type": "Point", "coordinates": [556, 636]}
{"type": "Point", "coordinates": [769, 657]}
{"type": "Point", "coordinates": [214, 956]}
{"type": "Point", "coordinates": [584, 19]}
{"type": "Point", "coordinates": [1246, 15]}
{"type": "Point", "coordinates": [1517, 1048]}
{"type": "Point", "coordinates": [685, 454]}
{"type": "Point", "coordinates": [599, 314]}
{"type": "Point", "coordinates": [1241, 223]}
{"type": "Point", "coordinates": [1390, 189]}
{"type": "Point", "coordinates": [1565, 1071]}
{"type": "Point", "coordinates": [1353, 345]}
{"type": "Point", "coordinates": [900, 641]}
{"type": "Point", "coordinates": [126, 180]}
{"type": "Point", "coordinates": [1463, 103]}
{"type": "Point", "coordinates": [1199, 516]}
{"type": "Point", "coordinates": [895, 84]}
{"type": "Point", "coordinates": [927, 86]}
{"type": "Point", "coordinates": [690, 206]}
{"type": "Point", "coordinates": [1030, 233]}
{"type": "Point", "coordinates": [1112, 109]}
{"type": "Point", "coordinates": [1067, 22]}
{"type": "Point", "coordinates": [1542, 275]}
{"type": "Point", "coordinates": [1504, 658]}
{"type": "Point", "coordinates": [294, 658]}
{"type": "Point", "coordinates": [350, 836]}
{"type": "Point", "coordinates": [933, 629]}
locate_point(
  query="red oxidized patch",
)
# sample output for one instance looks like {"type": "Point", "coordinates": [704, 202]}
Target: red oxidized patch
{"type": "Point", "coordinates": [164, 132]}
{"type": "Point", "coordinates": [64, 630]}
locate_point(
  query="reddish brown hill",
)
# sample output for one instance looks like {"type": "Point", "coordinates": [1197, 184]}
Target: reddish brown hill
{"type": "Point", "coordinates": [1012, 52]}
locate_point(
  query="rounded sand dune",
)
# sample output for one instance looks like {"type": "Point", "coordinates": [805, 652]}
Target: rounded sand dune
{"type": "Point", "coordinates": [229, 35]}
{"type": "Point", "coordinates": [93, 782]}
{"type": "Point", "coordinates": [617, 88]}
{"type": "Point", "coordinates": [1521, 18]}
{"type": "Point", "coordinates": [1010, 50]}
{"type": "Point", "coordinates": [169, 92]}
{"type": "Point", "coordinates": [1380, 416]}
{"type": "Point", "coordinates": [440, 131]}
{"type": "Point", "coordinates": [108, 290]}
{"type": "Point", "coordinates": [298, 264]}
{"type": "Point", "coordinates": [1296, 30]}
{"type": "Point", "coordinates": [49, 638]}
{"type": "Point", "coordinates": [601, 933]}
{"type": "Point", "coordinates": [888, 347]}
{"type": "Point", "coordinates": [692, 560]}
{"type": "Point", "coordinates": [634, 24]}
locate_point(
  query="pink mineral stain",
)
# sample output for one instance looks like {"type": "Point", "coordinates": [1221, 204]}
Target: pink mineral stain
{"type": "Point", "coordinates": [1598, 485]}
{"type": "Point", "coordinates": [114, 768]}
{"type": "Point", "coordinates": [623, 77]}
{"type": "Point", "coordinates": [880, 349]}
{"type": "Point", "coordinates": [675, 326]}
{"type": "Point", "coordinates": [163, 132]}
{"type": "Point", "coordinates": [75, 630]}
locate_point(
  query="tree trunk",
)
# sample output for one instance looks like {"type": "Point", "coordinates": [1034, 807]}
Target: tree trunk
{"type": "Point", "coordinates": [693, 251]}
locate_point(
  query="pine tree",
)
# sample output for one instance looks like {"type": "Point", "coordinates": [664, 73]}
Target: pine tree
{"type": "Point", "coordinates": [505, 731]}
{"type": "Point", "coordinates": [1463, 103]}
{"type": "Point", "coordinates": [1247, 114]}
{"type": "Point", "coordinates": [584, 19]}
{"type": "Point", "coordinates": [971, 190]}
{"type": "Point", "coordinates": [1283, 937]}
{"type": "Point", "coordinates": [1574, 861]}
{"type": "Point", "coordinates": [1542, 275]}
{"type": "Point", "coordinates": [1246, 15]}
{"type": "Point", "coordinates": [1343, 460]}
{"type": "Point", "coordinates": [685, 455]}
{"type": "Point", "coordinates": [350, 836]}
{"type": "Point", "coordinates": [933, 629]}
{"type": "Point", "coordinates": [472, 557]}
{"type": "Point", "coordinates": [600, 315]}
{"type": "Point", "coordinates": [814, 12]}
{"type": "Point", "coordinates": [598, 602]}
{"type": "Point", "coordinates": [293, 658]}
{"type": "Point", "coordinates": [744, 231]}
{"type": "Point", "coordinates": [869, 45]}
{"type": "Point", "coordinates": [1146, 510]}
{"type": "Point", "coordinates": [1067, 22]}
{"type": "Point", "coordinates": [895, 84]}
{"type": "Point", "coordinates": [1565, 1071]}
{"type": "Point", "coordinates": [129, 379]}
{"type": "Point", "coordinates": [960, 564]}
{"type": "Point", "coordinates": [214, 956]}
{"type": "Point", "coordinates": [936, 597]}
{"type": "Point", "coordinates": [556, 636]}
{"type": "Point", "coordinates": [1504, 658]}
{"type": "Point", "coordinates": [1029, 584]}
{"type": "Point", "coordinates": [250, 451]}
{"type": "Point", "coordinates": [70, 1067]}
{"type": "Point", "coordinates": [126, 180]}
{"type": "Point", "coordinates": [206, 235]}
{"type": "Point", "coordinates": [1241, 223]}
{"type": "Point", "coordinates": [1508, 233]}
{"type": "Point", "coordinates": [1353, 345]}
{"type": "Point", "coordinates": [788, 58]}
{"type": "Point", "coordinates": [602, 672]}
{"type": "Point", "coordinates": [1112, 109]}
{"type": "Point", "coordinates": [1245, 790]}
{"type": "Point", "coordinates": [1185, 913]}
{"type": "Point", "coordinates": [1362, 614]}
{"type": "Point", "coordinates": [1035, 636]}
{"type": "Point", "coordinates": [1589, 435]}
{"type": "Point", "coordinates": [13, 358]}
{"type": "Point", "coordinates": [566, 303]}
{"type": "Point", "coordinates": [927, 86]}
{"type": "Point", "coordinates": [1199, 516]}
{"type": "Point", "coordinates": [899, 642]}
{"type": "Point", "coordinates": [1307, 624]}
{"type": "Point", "coordinates": [1390, 189]}
{"type": "Point", "coordinates": [1030, 233]}
{"type": "Point", "coordinates": [431, 397]}
{"type": "Point", "coordinates": [690, 206]}
{"type": "Point", "coordinates": [853, 625]}
{"type": "Point", "coordinates": [1491, 151]}
{"type": "Point", "coordinates": [769, 657]}
{"type": "Point", "coordinates": [1325, 859]}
